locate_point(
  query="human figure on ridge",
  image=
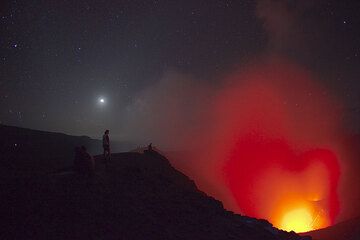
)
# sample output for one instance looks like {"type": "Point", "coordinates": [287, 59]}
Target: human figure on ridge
{"type": "Point", "coordinates": [106, 147]}
{"type": "Point", "coordinates": [149, 149]}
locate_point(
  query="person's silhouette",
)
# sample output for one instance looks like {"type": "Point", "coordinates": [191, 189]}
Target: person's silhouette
{"type": "Point", "coordinates": [106, 147]}
{"type": "Point", "coordinates": [78, 166]}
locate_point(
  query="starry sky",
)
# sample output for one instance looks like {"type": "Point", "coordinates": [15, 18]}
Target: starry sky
{"type": "Point", "coordinates": [59, 58]}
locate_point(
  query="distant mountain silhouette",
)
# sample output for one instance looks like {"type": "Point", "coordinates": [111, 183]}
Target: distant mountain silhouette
{"type": "Point", "coordinates": [28, 152]}
{"type": "Point", "coordinates": [347, 230]}
{"type": "Point", "coordinates": [141, 196]}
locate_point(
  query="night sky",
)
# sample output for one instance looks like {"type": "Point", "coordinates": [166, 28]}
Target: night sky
{"type": "Point", "coordinates": [58, 59]}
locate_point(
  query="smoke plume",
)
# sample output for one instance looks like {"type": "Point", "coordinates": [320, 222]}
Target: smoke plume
{"type": "Point", "coordinates": [265, 139]}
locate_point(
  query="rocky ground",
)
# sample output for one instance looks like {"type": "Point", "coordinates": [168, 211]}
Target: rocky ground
{"type": "Point", "coordinates": [139, 197]}
{"type": "Point", "coordinates": [347, 230]}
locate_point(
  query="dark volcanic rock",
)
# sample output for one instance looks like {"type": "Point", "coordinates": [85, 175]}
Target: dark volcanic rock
{"type": "Point", "coordinates": [140, 197]}
{"type": "Point", "coordinates": [348, 230]}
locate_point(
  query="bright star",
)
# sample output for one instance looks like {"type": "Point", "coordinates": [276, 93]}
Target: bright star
{"type": "Point", "coordinates": [101, 100]}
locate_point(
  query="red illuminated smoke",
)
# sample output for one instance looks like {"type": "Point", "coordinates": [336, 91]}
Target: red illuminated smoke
{"type": "Point", "coordinates": [274, 131]}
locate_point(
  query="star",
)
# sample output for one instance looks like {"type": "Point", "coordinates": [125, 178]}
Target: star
{"type": "Point", "coordinates": [101, 100]}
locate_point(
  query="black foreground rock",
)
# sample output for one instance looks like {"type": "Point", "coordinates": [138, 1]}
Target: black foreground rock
{"type": "Point", "coordinates": [140, 197]}
{"type": "Point", "coordinates": [347, 230]}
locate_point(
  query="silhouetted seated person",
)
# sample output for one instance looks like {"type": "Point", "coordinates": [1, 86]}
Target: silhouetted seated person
{"type": "Point", "coordinates": [77, 159]}
{"type": "Point", "coordinates": [83, 161]}
{"type": "Point", "coordinates": [150, 149]}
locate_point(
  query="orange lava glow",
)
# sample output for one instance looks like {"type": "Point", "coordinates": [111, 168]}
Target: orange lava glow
{"type": "Point", "coordinates": [302, 216]}
{"type": "Point", "coordinates": [298, 220]}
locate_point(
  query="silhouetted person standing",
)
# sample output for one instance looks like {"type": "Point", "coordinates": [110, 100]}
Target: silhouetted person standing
{"type": "Point", "coordinates": [106, 147]}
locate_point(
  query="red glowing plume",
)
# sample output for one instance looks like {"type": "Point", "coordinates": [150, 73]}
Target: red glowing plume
{"type": "Point", "coordinates": [274, 132]}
